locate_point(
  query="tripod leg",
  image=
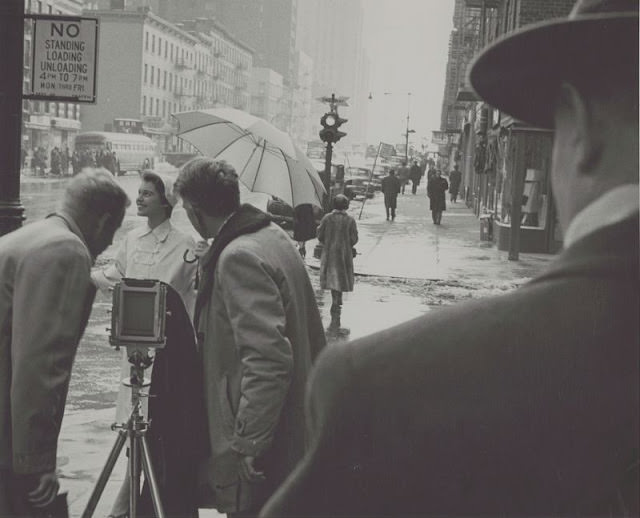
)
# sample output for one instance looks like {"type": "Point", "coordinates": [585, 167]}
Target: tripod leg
{"type": "Point", "coordinates": [151, 478]}
{"type": "Point", "coordinates": [134, 475]}
{"type": "Point", "coordinates": [105, 474]}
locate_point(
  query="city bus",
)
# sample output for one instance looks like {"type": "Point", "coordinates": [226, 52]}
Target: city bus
{"type": "Point", "coordinates": [133, 152]}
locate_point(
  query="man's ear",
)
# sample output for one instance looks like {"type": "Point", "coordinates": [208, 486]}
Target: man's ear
{"type": "Point", "coordinates": [587, 140]}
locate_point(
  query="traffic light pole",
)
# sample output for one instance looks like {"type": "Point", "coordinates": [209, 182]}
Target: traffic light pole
{"type": "Point", "coordinates": [328, 157]}
{"type": "Point", "coordinates": [11, 37]}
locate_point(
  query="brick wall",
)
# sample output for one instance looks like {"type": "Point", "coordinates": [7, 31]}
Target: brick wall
{"type": "Point", "coordinates": [532, 11]}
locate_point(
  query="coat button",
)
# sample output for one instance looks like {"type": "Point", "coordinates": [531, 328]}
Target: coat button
{"type": "Point", "coordinates": [240, 426]}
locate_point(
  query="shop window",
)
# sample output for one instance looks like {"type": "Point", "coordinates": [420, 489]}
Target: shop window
{"type": "Point", "coordinates": [535, 160]}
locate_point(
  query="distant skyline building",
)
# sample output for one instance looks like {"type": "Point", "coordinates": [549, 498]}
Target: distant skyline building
{"type": "Point", "coordinates": [331, 33]}
{"type": "Point", "coordinates": [267, 26]}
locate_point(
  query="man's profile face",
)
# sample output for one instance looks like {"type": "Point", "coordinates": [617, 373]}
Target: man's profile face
{"type": "Point", "coordinates": [104, 232]}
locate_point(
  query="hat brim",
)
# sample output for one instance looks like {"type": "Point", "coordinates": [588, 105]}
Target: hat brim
{"type": "Point", "coordinates": [520, 73]}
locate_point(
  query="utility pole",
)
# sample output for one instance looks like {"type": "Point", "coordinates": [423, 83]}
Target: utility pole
{"type": "Point", "coordinates": [406, 135]}
{"type": "Point", "coordinates": [12, 44]}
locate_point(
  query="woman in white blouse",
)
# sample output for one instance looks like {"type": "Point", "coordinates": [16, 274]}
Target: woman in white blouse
{"type": "Point", "coordinates": [154, 250]}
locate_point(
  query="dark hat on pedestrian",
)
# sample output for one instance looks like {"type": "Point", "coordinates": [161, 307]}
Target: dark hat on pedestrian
{"type": "Point", "coordinates": [520, 73]}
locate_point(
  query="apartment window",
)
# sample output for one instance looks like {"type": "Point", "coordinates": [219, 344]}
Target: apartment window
{"type": "Point", "coordinates": [153, 43]}
{"type": "Point", "coordinates": [164, 81]}
{"type": "Point", "coordinates": [157, 107]}
{"type": "Point", "coordinates": [39, 6]}
{"type": "Point", "coordinates": [146, 40]}
{"type": "Point", "coordinates": [153, 72]}
{"type": "Point", "coordinates": [144, 105]}
{"type": "Point", "coordinates": [159, 46]}
{"type": "Point", "coordinates": [146, 70]}
{"type": "Point", "coordinates": [165, 49]}
{"type": "Point", "coordinates": [49, 9]}
{"type": "Point", "coordinates": [164, 109]}
{"type": "Point", "coordinates": [171, 52]}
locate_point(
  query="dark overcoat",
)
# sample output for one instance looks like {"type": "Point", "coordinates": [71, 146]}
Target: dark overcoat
{"type": "Point", "coordinates": [390, 186]}
{"type": "Point", "coordinates": [436, 187]}
{"type": "Point", "coordinates": [525, 404]}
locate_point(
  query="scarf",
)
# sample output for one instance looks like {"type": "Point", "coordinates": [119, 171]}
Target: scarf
{"type": "Point", "coordinates": [246, 220]}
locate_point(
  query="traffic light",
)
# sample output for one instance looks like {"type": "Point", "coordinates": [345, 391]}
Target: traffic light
{"type": "Point", "coordinates": [330, 124]}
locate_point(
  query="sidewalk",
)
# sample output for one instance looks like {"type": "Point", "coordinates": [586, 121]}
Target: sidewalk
{"type": "Point", "coordinates": [413, 247]}
{"type": "Point", "coordinates": [405, 268]}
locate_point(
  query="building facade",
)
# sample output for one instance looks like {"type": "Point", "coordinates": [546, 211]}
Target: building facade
{"type": "Point", "coordinates": [167, 68]}
{"type": "Point", "coordinates": [505, 163]}
{"type": "Point", "coordinates": [47, 124]}
{"type": "Point", "coordinates": [267, 97]}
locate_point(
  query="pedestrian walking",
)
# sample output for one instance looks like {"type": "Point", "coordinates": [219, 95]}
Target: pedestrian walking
{"type": "Point", "coordinates": [524, 404]}
{"type": "Point", "coordinates": [390, 186]}
{"type": "Point", "coordinates": [403, 175]}
{"type": "Point", "coordinates": [45, 301]}
{"type": "Point", "coordinates": [338, 233]}
{"type": "Point", "coordinates": [154, 250]}
{"type": "Point", "coordinates": [259, 332]}
{"type": "Point", "coordinates": [436, 188]}
{"type": "Point", "coordinates": [455, 178]}
{"type": "Point", "coordinates": [55, 162]}
{"type": "Point", "coordinates": [415, 174]}
{"type": "Point", "coordinates": [75, 162]}
{"type": "Point", "coordinates": [304, 226]}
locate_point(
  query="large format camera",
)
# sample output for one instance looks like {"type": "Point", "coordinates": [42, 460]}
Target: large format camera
{"type": "Point", "coordinates": [139, 313]}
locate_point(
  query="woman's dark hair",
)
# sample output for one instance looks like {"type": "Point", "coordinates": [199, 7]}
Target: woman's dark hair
{"type": "Point", "coordinates": [153, 178]}
{"type": "Point", "coordinates": [210, 185]}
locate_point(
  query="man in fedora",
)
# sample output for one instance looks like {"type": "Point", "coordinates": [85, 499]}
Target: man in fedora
{"type": "Point", "coordinates": [525, 404]}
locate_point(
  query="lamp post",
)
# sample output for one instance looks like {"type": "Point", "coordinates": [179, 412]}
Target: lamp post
{"type": "Point", "coordinates": [407, 131]}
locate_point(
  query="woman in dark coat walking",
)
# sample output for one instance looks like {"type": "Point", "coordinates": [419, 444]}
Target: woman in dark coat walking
{"type": "Point", "coordinates": [436, 187]}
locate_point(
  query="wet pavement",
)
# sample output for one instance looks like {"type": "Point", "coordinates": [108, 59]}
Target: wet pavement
{"type": "Point", "coordinates": [404, 268]}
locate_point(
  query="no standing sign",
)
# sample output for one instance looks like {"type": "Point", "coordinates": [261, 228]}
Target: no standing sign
{"type": "Point", "coordinates": [64, 59]}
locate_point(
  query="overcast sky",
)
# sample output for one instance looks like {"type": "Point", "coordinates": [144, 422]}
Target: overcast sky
{"type": "Point", "coordinates": [407, 43]}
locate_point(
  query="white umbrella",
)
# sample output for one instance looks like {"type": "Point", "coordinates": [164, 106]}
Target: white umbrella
{"type": "Point", "coordinates": [262, 165]}
{"type": "Point", "coordinates": [214, 130]}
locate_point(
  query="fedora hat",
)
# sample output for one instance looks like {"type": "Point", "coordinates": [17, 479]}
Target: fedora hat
{"type": "Point", "coordinates": [520, 73]}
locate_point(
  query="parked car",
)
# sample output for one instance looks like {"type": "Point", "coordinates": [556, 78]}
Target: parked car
{"type": "Point", "coordinates": [359, 183]}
